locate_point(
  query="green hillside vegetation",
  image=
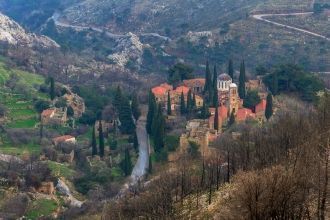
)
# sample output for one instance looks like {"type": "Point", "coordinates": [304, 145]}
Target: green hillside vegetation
{"type": "Point", "coordinates": [41, 207]}
{"type": "Point", "coordinates": [17, 91]}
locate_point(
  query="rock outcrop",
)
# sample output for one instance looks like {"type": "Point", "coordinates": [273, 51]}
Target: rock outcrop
{"type": "Point", "coordinates": [13, 34]}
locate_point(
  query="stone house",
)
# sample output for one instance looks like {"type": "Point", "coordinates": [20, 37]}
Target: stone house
{"type": "Point", "coordinates": [64, 139]}
{"type": "Point", "coordinates": [46, 188]}
{"type": "Point", "coordinates": [54, 116]}
{"type": "Point", "coordinates": [195, 85]}
{"type": "Point", "coordinates": [76, 103]}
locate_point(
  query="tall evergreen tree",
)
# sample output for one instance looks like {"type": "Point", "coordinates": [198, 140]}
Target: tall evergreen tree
{"type": "Point", "coordinates": [204, 111]}
{"type": "Point", "coordinates": [182, 104]}
{"type": "Point", "coordinates": [215, 98]}
{"type": "Point", "coordinates": [159, 132]}
{"type": "Point", "coordinates": [169, 104]}
{"type": "Point", "coordinates": [189, 101]}
{"type": "Point", "coordinates": [94, 145]}
{"type": "Point", "coordinates": [231, 69]}
{"type": "Point", "coordinates": [242, 80]}
{"type": "Point", "coordinates": [215, 78]}
{"type": "Point", "coordinates": [52, 88]}
{"type": "Point", "coordinates": [275, 84]}
{"type": "Point", "coordinates": [208, 78]}
{"type": "Point", "coordinates": [150, 165]}
{"type": "Point", "coordinates": [101, 140]}
{"type": "Point", "coordinates": [231, 119]}
{"type": "Point", "coordinates": [155, 120]}
{"type": "Point", "coordinates": [127, 163]}
{"type": "Point", "coordinates": [117, 99]}
{"type": "Point", "coordinates": [194, 101]}
{"type": "Point", "coordinates": [216, 119]}
{"type": "Point", "coordinates": [135, 107]}
{"type": "Point", "coordinates": [127, 125]}
{"type": "Point", "coordinates": [151, 111]}
{"type": "Point", "coordinates": [269, 106]}
{"type": "Point", "coordinates": [136, 143]}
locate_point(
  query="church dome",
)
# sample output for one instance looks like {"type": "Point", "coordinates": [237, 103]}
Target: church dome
{"type": "Point", "coordinates": [233, 85]}
{"type": "Point", "coordinates": [224, 77]}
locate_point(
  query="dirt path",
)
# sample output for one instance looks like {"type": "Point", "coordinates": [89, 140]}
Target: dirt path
{"type": "Point", "coordinates": [261, 17]}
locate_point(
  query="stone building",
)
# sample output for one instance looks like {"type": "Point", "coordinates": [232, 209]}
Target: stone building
{"type": "Point", "coordinates": [54, 116]}
{"type": "Point", "coordinates": [76, 103]}
{"type": "Point", "coordinates": [46, 188]}
{"type": "Point", "coordinates": [64, 139]}
{"type": "Point", "coordinates": [195, 85]}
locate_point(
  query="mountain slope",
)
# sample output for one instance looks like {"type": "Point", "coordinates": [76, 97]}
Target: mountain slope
{"type": "Point", "coordinates": [13, 34]}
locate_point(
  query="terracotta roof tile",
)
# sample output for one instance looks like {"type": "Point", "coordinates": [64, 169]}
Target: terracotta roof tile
{"type": "Point", "coordinates": [181, 89]}
{"type": "Point", "coordinates": [47, 112]}
{"type": "Point", "coordinates": [243, 114]}
{"type": "Point", "coordinates": [261, 106]}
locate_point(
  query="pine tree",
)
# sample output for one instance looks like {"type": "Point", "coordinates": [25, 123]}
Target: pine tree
{"type": "Point", "coordinates": [117, 98]}
{"type": "Point", "coordinates": [135, 107]}
{"type": "Point", "coordinates": [216, 119]}
{"type": "Point", "coordinates": [101, 140]}
{"type": "Point", "coordinates": [150, 165]}
{"type": "Point", "coordinates": [208, 79]}
{"type": "Point", "coordinates": [52, 89]}
{"type": "Point", "coordinates": [231, 69]}
{"type": "Point", "coordinates": [94, 144]}
{"type": "Point", "coordinates": [182, 104]}
{"type": "Point", "coordinates": [275, 84]}
{"type": "Point", "coordinates": [169, 104]}
{"type": "Point", "coordinates": [269, 106]}
{"type": "Point", "coordinates": [151, 111]}
{"type": "Point", "coordinates": [242, 80]}
{"type": "Point", "coordinates": [127, 125]}
{"type": "Point", "coordinates": [231, 119]}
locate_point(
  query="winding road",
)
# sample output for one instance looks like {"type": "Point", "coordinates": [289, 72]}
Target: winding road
{"type": "Point", "coordinates": [261, 17]}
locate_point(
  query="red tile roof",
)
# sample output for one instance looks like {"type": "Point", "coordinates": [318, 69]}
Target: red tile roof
{"type": "Point", "coordinates": [194, 82]}
{"type": "Point", "coordinates": [243, 114]}
{"type": "Point", "coordinates": [162, 89]}
{"type": "Point", "coordinates": [62, 138]}
{"type": "Point", "coordinates": [261, 106]}
{"type": "Point", "coordinates": [181, 89]}
{"type": "Point", "coordinates": [47, 112]}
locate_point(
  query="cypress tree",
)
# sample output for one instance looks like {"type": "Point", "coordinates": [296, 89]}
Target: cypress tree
{"type": "Point", "coordinates": [215, 98]}
{"type": "Point", "coordinates": [269, 106]}
{"type": "Point", "coordinates": [169, 106]}
{"type": "Point", "coordinates": [101, 140]}
{"type": "Point", "coordinates": [127, 163]}
{"type": "Point", "coordinates": [194, 101]}
{"type": "Point", "coordinates": [182, 104]}
{"type": "Point", "coordinates": [135, 107]}
{"type": "Point", "coordinates": [208, 78]}
{"type": "Point", "coordinates": [125, 116]}
{"type": "Point", "coordinates": [151, 111]}
{"type": "Point", "coordinates": [136, 143]}
{"type": "Point", "coordinates": [117, 98]}
{"type": "Point", "coordinates": [275, 84]}
{"type": "Point", "coordinates": [52, 89]}
{"type": "Point", "coordinates": [189, 101]}
{"type": "Point", "coordinates": [155, 120]}
{"type": "Point", "coordinates": [231, 69]}
{"type": "Point", "coordinates": [94, 145]}
{"type": "Point", "coordinates": [159, 132]}
{"type": "Point", "coordinates": [242, 80]}
{"type": "Point", "coordinates": [216, 119]}
{"type": "Point", "coordinates": [215, 78]}
{"type": "Point", "coordinates": [204, 111]}
{"type": "Point", "coordinates": [150, 165]}
{"type": "Point", "coordinates": [231, 119]}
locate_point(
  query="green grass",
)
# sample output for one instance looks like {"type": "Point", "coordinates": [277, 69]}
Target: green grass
{"type": "Point", "coordinates": [26, 123]}
{"type": "Point", "coordinates": [60, 170]}
{"type": "Point", "coordinates": [8, 148]}
{"type": "Point", "coordinates": [41, 207]}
